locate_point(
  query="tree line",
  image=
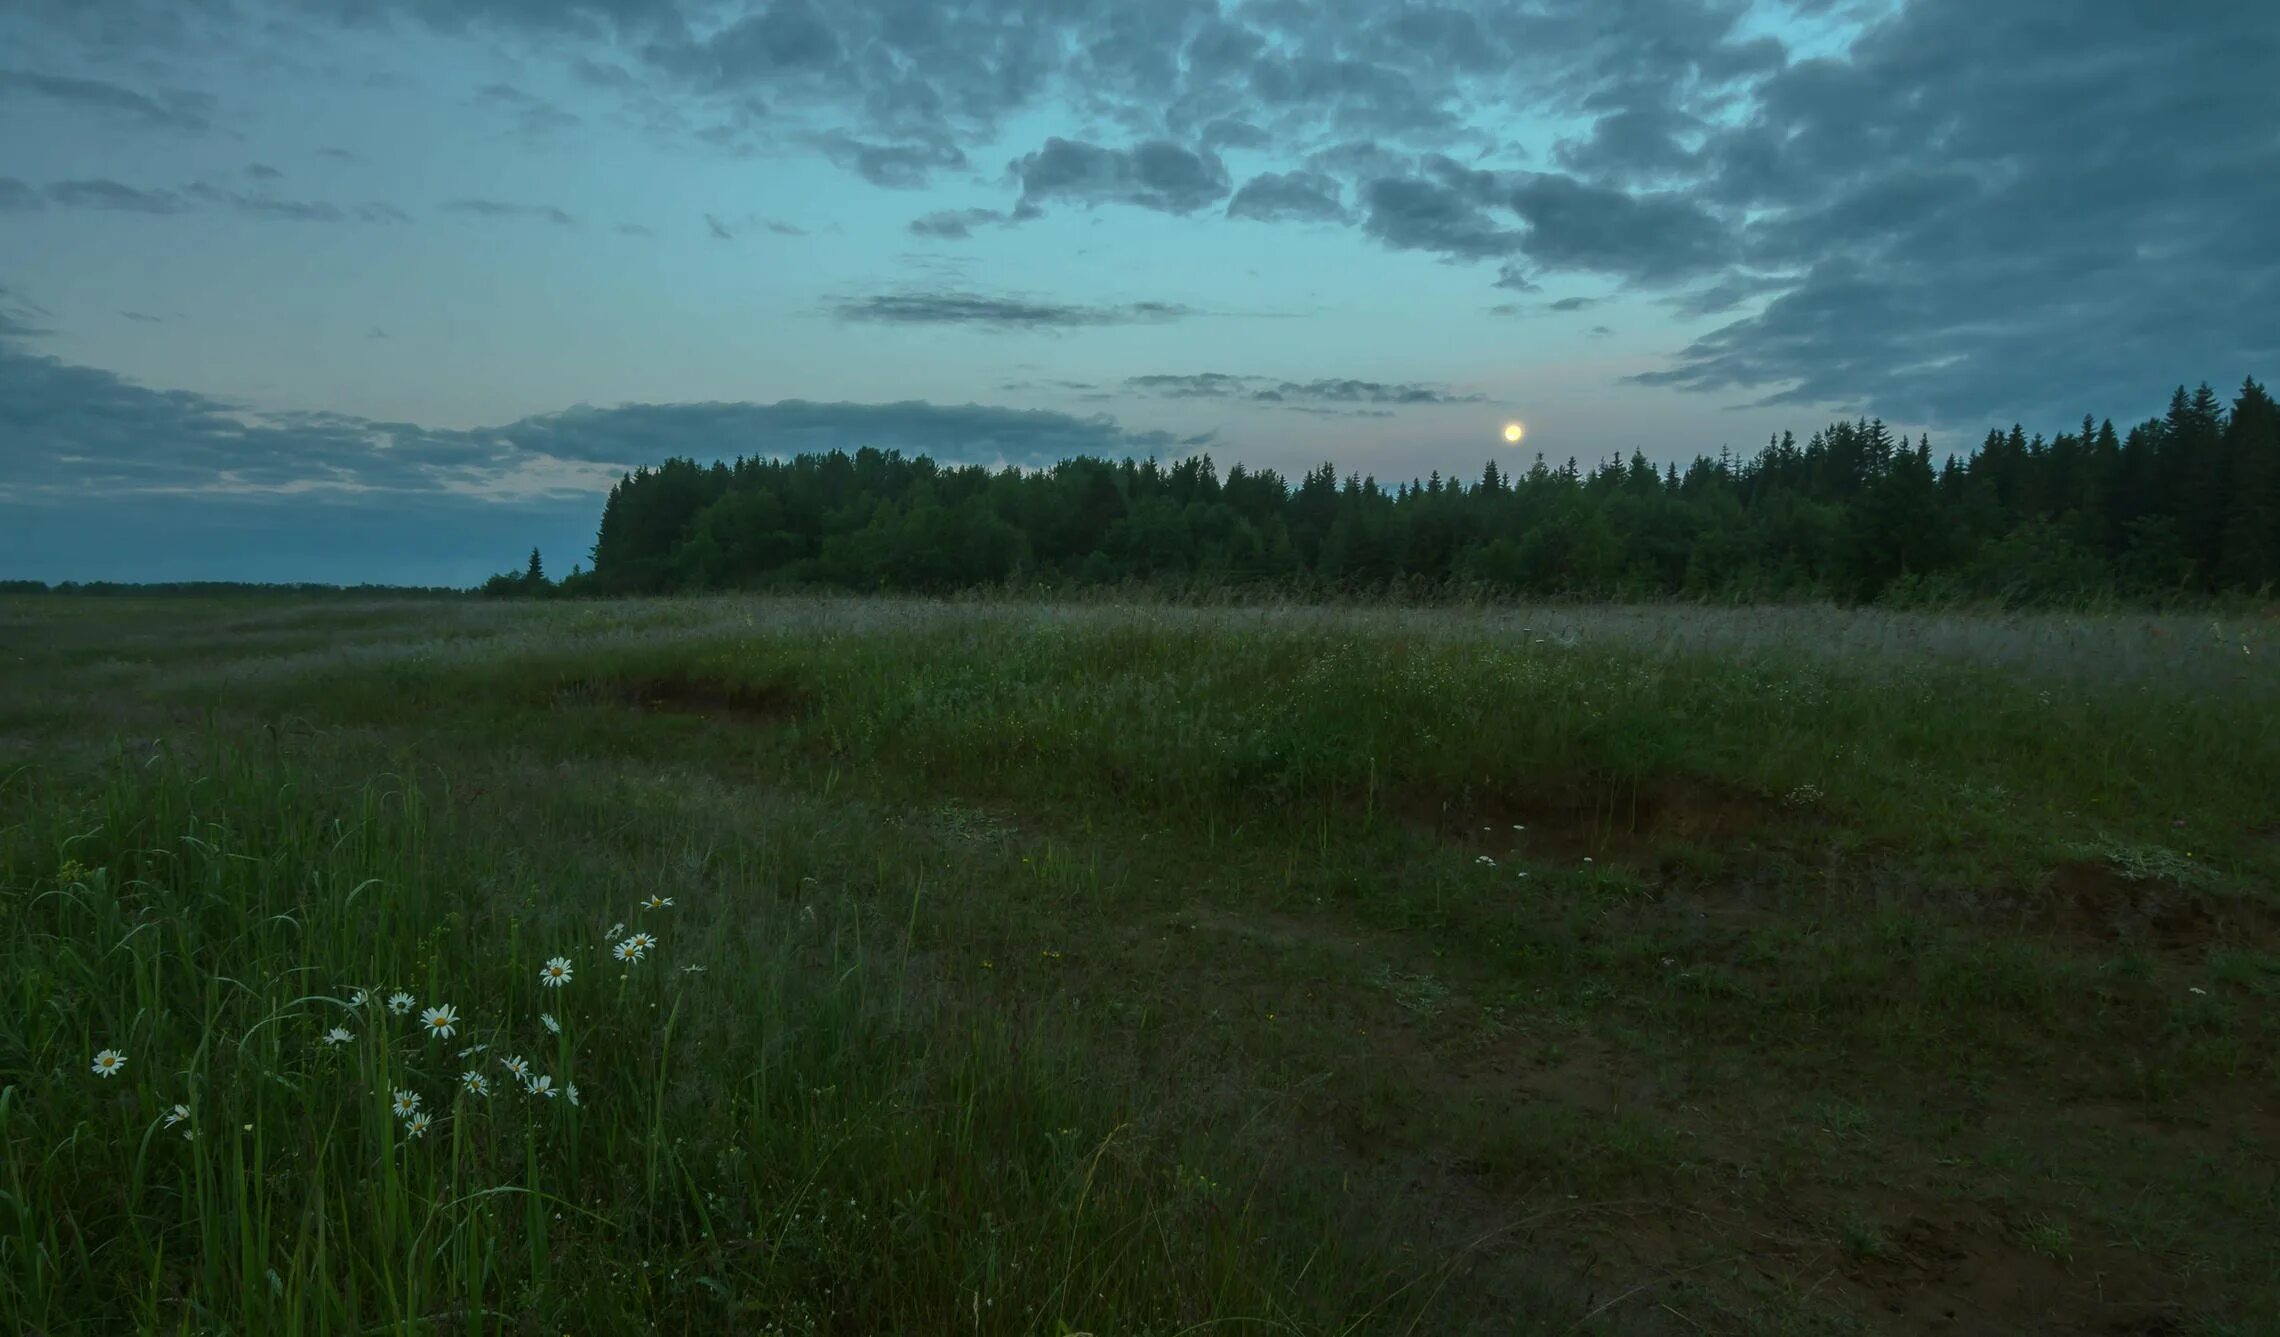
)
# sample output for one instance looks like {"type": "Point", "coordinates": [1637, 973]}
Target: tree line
{"type": "Point", "coordinates": [2183, 506]}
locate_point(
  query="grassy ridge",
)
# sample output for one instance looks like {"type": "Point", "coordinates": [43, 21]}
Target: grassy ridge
{"type": "Point", "coordinates": [1122, 970]}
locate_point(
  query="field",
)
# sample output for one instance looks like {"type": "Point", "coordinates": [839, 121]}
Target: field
{"type": "Point", "coordinates": [1136, 970]}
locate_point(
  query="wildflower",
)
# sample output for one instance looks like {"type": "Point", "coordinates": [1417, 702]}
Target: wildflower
{"type": "Point", "coordinates": [360, 998]}
{"type": "Point", "coordinates": [626, 951]}
{"type": "Point", "coordinates": [657, 902]}
{"type": "Point", "coordinates": [417, 1125]}
{"type": "Point", "coordinates": [517, 1067]}
{"type": "Point", "coordinates": [178, 1114]}
{"type": "Point", "coordinates": [189, 1134]}
{"type": "Point", "coordinates": [572, 1092]}
{"type": "Point", "coordinates": [440, 1021]}
{"type": "Point", "coordinates": [108, 1063]}
{"type": "Point", "coordinates": [692, 970]}
{"type": "Point", "coordinates": [540, 1086]}
{"type": "Point", "coordinates": [400, 1002]}
{"type": "Point", "coordinates": [476, 1083]}
{"type": "Point", "coordinates": [406, 1104]}
{"type": "Point", "coordinates": [337, 1036]}
{"type": "Point", "coordinates": [547, 1020]}
{"type": "Point", "coordinates": [473, 1049]}
{"type": "Point", "coordinates": [615, 929]}
{"type": "Point", "coordinates": [1486, 860]}
{"type": "Point", "coordinates": [641, 941]}
{"type": "Point", "coordinates": [555, 973]}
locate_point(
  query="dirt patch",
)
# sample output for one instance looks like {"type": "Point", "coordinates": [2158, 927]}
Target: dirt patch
{"type": "Point", "coordinates": [2092, 902]}
{"type": "Point", "coordinates": [1626, 822]}
{"type": "Point", "coordinates": [703, 697]}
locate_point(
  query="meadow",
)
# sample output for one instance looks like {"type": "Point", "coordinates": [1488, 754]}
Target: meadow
{"type": "Point", "coordinates": [898, 966]}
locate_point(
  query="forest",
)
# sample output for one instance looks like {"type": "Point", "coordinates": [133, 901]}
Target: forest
{"type": "Point", "coordinates": [2181, 508]}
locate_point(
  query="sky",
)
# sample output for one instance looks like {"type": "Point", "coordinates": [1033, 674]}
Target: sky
{"type": "Point", "coordinates": [392, 290]}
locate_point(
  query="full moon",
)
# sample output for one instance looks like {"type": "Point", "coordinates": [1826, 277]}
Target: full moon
{"type": "Point", "coordinates": [1513, 432]}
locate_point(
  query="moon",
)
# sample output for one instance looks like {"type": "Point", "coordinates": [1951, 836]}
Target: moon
{"type": "Point", "coordinates": [1513, 432]}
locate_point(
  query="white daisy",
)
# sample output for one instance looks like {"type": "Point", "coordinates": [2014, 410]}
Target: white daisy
{"type": "Point", "coordinates": [417, 1125]}
{"type": "Point", "coordinates": [540, 1086]}
{"type": "Point", "coordinates": [626, 951]}
{"type": "Point", "coordinates": [692, 970]}
{"type": "Point", "coordinates": [656, 902]}
{"type": "Point", "coordinates": [555, 973]}
{"type": "Point", "coordinates": [338, 1035]}
{"type": "Point", "coordinates": [178, 1114]}
{"type": "Point", "coordinates": [406, 1104]}
{"type": "Point", "coordinates": [516, 1067]}
{"type": "Point", "coordinates": [473, 1049]}
{"type": "Point", "coordinates": [400, 1002]}
{"type": "Point", "coordinates": [615, 929]}
{"type": "Point", "coordinates": [440, 1021]}
{"type": "Point", "coordinates": [572, 1092]}
{"type": "Point", "coordinates": [360, 998]}
{"type": "Point", "coordinates": [108, 1063]}
{"type": "Point", "coordinates": [476, 1083]}
{"type": "Point", "coordinates": [547, 1020]}
{"type": "Point", "coordinates": [641, 941]}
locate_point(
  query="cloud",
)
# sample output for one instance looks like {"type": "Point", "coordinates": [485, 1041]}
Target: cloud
{"type": "Point", "coordinates": [263, 207]}
{"type": "Point", "coordinates": [1266, 390]}
{"type": "Point", "coordinates": [1572, 304]}
{"type": "Point", "coordinates": [1646, 238]}
{"type": "Point", "coordinates": [379, 212]}
{"type": "Point", "coordinates": [1155, 174]}
{"type": "Point", "coordinates": [143, 318]}
{"type": "Point", "coordinates": [904, 166]}
{"type": "Point", "coordinates": [262, 172]}
{"type": "Point", "coordinates": [502, 209]}
{"type": "Point", "coordinates": [634, 230]}
{"type": "Point", "coordinates": [944, 307]}
{"type": "Point", "coordinates": [952, 432]}
{"type": "Point", "coordinates": [105, 194]}
{"type": "Point", "coordinates": [2070, 198]}
{"type": "Point", "coordinates": [173, 110]}
{"type": "Point", "coordinates": [535, 118]}
{"type": "Point", "coordinates": [720, 227]}
{"type": "Point", "coordinates": [954, 224]}
{"type": "Point", "coordinates": [16, 195]}
{"type": "Point", "coordinates": [1409, 214]}
{"type": "Point", "coordinates": [338, 155]}
{"type": "Point", "coordinates": [1277, 196]}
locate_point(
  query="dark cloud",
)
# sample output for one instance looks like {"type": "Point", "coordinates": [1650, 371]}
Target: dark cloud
{"type": "Point", "coordinates": [502, 209]}
{"type": "Point", "coordinates": [143, 318]}
{"type": "Point", "coordinates": [103, 194]}
{"type": "Point", "coordinates": [2002, 209]}
{"type": "Point", "coordinates": [16, 195]}
{"type": "Point", "coordinates": [1572, 304]}
{"type": "Point", "coordinates": [719, 230]}
{"type": "Point", "coordinates": [903, 166]}
{"type": "Point", "coordinates": [1647, 238]}
{"type": "Point", "coordinates": [338, 155]}
{"type": "Point", "coordinates": [262, 172]}
{"type": "Point", "coordinates": [535, 118]}
{"type": "Point", "coordinates": [263, 207]}
{"type": "Point", "coordinates": [1155, 174]}
{"type": "Point", "coordinates": [173, 110]}
{"type": "Point", "coordinates": [1600, 331]}
{"type": "Point", "coordinates": [955, 224]}
{"type": "Point", "coordinates": [1276, 196]}
{"type": "Point", "coordinates": [1266, 390]}
{"type": "Point", "coordinates": [379, 212]}
{"type": "Point", "coordinates": [1415, 215]}
{"type": "Point", "coordinates": [999, 313]}
{"type": "Point", "coordinates": [956, 432]}
{"type": "Point", "coordinates": [634, 230]}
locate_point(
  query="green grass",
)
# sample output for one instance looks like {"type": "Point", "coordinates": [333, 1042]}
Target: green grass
{"type": "Point", "coordinates": [1137, 970]}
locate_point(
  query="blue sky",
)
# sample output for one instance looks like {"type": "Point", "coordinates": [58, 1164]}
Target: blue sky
{"type": "Point", "coordinates": [391, 290]}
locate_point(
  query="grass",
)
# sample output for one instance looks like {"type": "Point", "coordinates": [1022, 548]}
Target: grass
{"type": "Point", "coordinates": [1067, 969]}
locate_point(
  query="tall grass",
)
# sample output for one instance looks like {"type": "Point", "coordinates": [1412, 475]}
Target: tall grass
{"type": "Point", "coordinates": [775, 1129]}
